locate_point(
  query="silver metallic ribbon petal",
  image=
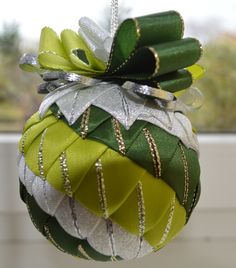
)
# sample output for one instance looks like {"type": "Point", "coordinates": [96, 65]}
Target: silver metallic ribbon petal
{"type": "Point", "coordinates": [29, 63]}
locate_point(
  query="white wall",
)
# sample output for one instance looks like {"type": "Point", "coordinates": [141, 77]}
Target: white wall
{"type": "Point", "coordinates": [209, 240]}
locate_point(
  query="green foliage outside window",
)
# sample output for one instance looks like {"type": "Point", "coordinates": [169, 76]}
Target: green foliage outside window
{"type": "Point", "coordinates": [218, 113]}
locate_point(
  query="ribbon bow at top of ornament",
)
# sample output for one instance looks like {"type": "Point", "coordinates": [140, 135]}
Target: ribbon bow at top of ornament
{"type": "Point", "coordinates": [148, 56]}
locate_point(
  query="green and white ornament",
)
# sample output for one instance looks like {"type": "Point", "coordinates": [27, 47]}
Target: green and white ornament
{"type": "Point", "coordinates": [109, 166]}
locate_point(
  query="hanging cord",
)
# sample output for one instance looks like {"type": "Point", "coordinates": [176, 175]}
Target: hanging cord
{"type": "Point", "coordinates": [114, 16]}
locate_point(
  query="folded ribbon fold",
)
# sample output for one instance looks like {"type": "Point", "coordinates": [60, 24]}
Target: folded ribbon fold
{"type": "Point", "coordinates": [155, 53]}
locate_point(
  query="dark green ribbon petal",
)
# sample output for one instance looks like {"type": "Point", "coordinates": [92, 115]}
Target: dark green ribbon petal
{"type": "Point", "coordinates": [176, 55]}
{"type": "Point", "coordinates": [175, 81]}
{"type": "Point", "coordinates": [156, 60]}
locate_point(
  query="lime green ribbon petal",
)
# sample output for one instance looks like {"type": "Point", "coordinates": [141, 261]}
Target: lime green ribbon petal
{"type": "Point", "coordinates": [70, 53]}
{"type": "Point", "coordinates": [197, 71]}
{"type": "Point", "coordinates": [147, 50]}
{"type": "Point", "coordinates": [73, 43]}
{"type": "Point", "coordinates": [51, 52]}
{"type": "Point", "coordinates": [49, 41]}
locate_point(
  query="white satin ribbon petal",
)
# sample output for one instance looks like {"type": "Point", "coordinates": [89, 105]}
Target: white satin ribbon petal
{"type": "Point", "coordinates": [54, 96]}
{"type": "Point", "coordinates": [98, 40]}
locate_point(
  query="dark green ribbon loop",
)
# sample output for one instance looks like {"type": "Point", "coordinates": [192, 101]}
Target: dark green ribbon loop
{"type": "Point", "coordinates": [150, 50]}
{"type": "Point", "coordinates": [176, 55]}
{"type": "Point", "coordinates": [174, 82]}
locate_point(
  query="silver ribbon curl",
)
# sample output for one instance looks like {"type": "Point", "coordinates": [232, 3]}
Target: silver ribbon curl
{"type": "Point", "coordinates": [189, 101]}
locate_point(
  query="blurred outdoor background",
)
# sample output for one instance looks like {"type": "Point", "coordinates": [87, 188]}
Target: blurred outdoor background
{"type": "Point", "coordinates": [210, 21]}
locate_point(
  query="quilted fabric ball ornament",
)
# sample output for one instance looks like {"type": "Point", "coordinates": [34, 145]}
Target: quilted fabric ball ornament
{"type": "Point", "coordinates": [109, 166]}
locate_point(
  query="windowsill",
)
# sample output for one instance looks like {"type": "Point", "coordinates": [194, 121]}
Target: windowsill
{"type": "Point", "coordinates": [203, 138]}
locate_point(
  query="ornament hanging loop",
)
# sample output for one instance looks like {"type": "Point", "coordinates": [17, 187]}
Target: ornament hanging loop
{"type": "Point", "coordinates": [114, 16]}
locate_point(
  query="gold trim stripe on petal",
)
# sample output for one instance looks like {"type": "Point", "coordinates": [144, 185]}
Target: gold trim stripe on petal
{"type": "Point", "coordinates": [23, 142]}
{"type": "Point", "coordinates": [138, 31]}
{"type": "Point", "coordinates": [141, 216]}
{"type": "Point", "coordinates": [65, 174]}
{"type": "Point", "coordinates": [182, 24]}
{"type": "Point", "coordinates": [118, 135]}
{"type": "Point", "coordinates": [201, 48]}
{"type": "Point", "coordinates": [186, 175]}
{"type": "Point", "coordinates": [194, 201]}
{"type": "Point", "coordinates": [101, 188]}
{"type": "Point", "coordinates": [197, 197]}
{"type": "Point", "coordinates": [138, 35]}
{"type": "Point", "coordinates": [40, 155]}
{"type": "Point", "coordinates": [50, 238]}
{"type": "Point", "coordinates": [157, 61]}
{"type": "Point", "coordinates": [84, 253]}
{"type": "Point", "coordinates": [104, 207]}
{"type": "Point", "coordinates": [154, 152]}
{"type": "Point", "coordinates": [141, 209]}
{"type": "Point", "coordinates": [84, 124]}
{"type": "Point", "coordinates": [169, 223]}
{"type": "Point", "coordinates": [41, 167]}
